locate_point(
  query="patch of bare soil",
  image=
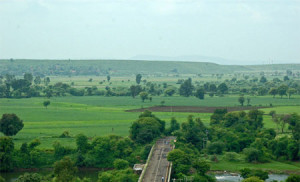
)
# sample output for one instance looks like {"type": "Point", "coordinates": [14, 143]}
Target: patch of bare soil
{"type": "Point", "coordinates": [192, 109]}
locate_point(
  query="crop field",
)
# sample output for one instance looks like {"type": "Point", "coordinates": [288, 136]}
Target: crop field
{"type": "Point", "coordinates": [100, 115]}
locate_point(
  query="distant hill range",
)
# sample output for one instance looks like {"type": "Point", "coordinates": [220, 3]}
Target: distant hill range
{"type": "Point", "coordinates": [199, 58]}
{"type": "Point", "coordinates": [129, 67]}
{"type": "Point", "coordinates": [188, 58]}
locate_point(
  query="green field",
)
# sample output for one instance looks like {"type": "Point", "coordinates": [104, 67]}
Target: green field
{"type": "Point", "coordinates": [274, 166]}
{"type": "Point", "coordinates": [100, 115]}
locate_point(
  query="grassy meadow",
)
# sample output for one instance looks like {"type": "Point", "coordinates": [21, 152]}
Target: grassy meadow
{"type": "Point", "coordinates": [100, 115]}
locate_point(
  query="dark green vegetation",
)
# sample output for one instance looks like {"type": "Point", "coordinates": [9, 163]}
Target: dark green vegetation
{"type": "Point", "coordinates": [10, 124]}
{"type": "Point", "coordinates": [233, 137]}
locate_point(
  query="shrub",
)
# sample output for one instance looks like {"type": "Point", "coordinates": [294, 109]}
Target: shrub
{"type": "Point", "coordinates": [247, 173]}
{"type": "Point", "coordinates": [231, 156]}
{"type": "Point", "coordinates": [253, 179]}
{"type": "Point", "coordinates": [65, 134]}
{"type": "Point", "coordinates": [29, 177]}
{"type": "Point", "coordinates": [121, 164]}
{"type": "Point", "coordinates": [272, 113]}
{"type": "Point", "coordinates": [216, 147]}
{"type": "Point", "coordinates": [252, 155]}
{"type": "Point", "coordinates": [293, 178]}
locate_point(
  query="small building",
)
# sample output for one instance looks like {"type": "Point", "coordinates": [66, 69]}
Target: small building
{"type": "Point", "coordinates": [138, 168]}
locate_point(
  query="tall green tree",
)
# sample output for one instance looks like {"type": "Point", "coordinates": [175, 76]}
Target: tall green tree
{"type": "Point", "coordinates": [6, 153]}
{"type": "Point", "coordinates": [241, 100]}
{"type": "Point", "coordinates": [10, 124]}
{"type": "Point", "coordinates": [174, 126]}
{"type": "Point", "coordinates": [82, 143]}
{"type": "Point", "coordinates": [144, 96]}
{"type": "Point", "coordinates": [200, 93]}
{"type": "Point", "coordinates": [28, 77]}
{"type": "Point", "coordinates": [256, 118]}
{"type": "Point", "coordinates": [146, 128]}
{"type": "Point", "coordinates": [212, 88]}
{"type": "Point", "coordinates": [263, 79]}
{"type": "Point", "coordinates": [138, 78]}
{"type": "Point", "coordinates": [186, 88]}
{"type": "Point", "coordinates": [65, 170]}
{"type": "Point", "coordinates": [273, 91]}
{"type": "Point", "coordinates": [46, 103]}
{"type": "Point", "coordinates": [37, 80]}
{"type": "Point", "coordinates": [282, 90]}
{"type": "Point", "coordinates": [182, 162]}
{"type": "Point", "coordinates": [291, 91]}
{"type": "Point", "coordinates": [46, 81]}
{"type": "Point", "coordinates": [223, 88]}
{"type": "Point", "coordinates": [193, 131]}
{"type": "Point", "coordinates": [135, 90]}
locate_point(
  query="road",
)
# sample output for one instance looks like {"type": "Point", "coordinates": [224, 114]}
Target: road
{"type": "Point", "coordinates": [158, 164]}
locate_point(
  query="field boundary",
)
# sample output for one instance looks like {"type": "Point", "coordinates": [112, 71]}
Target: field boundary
{"type": "Point", "coordinates": [194, 109]}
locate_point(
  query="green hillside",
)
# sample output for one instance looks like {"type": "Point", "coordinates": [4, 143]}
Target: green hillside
{"type": "Point", "coordinates": [128, 67]}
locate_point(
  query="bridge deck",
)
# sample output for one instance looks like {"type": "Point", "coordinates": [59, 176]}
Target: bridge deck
{"type": "Point", "coordinates": [158, 166]}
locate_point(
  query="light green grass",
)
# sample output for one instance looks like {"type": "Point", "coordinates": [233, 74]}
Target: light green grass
{"type": "Point", "coordinates": [236, 166]}
{"type": "Point", "coordinates": [99, 116]}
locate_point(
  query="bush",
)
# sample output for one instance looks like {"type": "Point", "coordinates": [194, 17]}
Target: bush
{"type": "Point", "coordinates": [59, 150]}
{"type": "Point", "coordinates": [253, 179]}
{"type": "Point", "coordinates": [82, 143]}
{"type": "Point", "coordinates": [146, 151]}
{"type": "Point", "coordinates": [231, 156]}
{"type": "Point", "coordinates": [121, 164]}
{"type": "Point", "coordinates": [65, 134]}
{"type": "Point", "coordinates": [293, 178]}
{"type": "Point", "coordinates": [247, 173]}
{"type": "Point", "coordinates": [252, 155]}
{"type": "Point", "coordinates": [34, 143]}
{"type": "Point", "coordinates": [216, 147]}
{"type": "Point", "coordinates": [272, 113]}
{"type": "Point", "coordinates": [64, 170]}
{"type": "Point", "coordinates": [28, 177]}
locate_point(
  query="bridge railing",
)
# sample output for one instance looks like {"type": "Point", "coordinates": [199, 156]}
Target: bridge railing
{"type": "Point", "coordinates": [146, 165]}
{"type": "Point", "coordinates": [170, 168]}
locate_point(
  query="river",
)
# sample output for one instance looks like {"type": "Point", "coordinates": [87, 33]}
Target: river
{"type": "Point", "coordinates": [93, 175]}
{"type": "Point", "coordinates": [237, 178]}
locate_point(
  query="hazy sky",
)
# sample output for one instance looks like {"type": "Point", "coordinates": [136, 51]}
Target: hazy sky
{"type": "Point", "coordinates": [246, 30]}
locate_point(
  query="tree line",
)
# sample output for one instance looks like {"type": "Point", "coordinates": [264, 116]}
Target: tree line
{"type": "Point", "coordinates": [30, 86]}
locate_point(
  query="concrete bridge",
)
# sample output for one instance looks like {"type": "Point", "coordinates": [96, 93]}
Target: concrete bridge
{"type": "Point", "coordinates": [158, 168]}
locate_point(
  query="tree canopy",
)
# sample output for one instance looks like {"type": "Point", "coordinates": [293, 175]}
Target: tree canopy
{"type": "Point", "coordinates": [10, 124]}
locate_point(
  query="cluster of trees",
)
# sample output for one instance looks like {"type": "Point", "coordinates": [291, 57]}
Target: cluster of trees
{"type": "Point", "coordinates": [263, 86]}
{"type": "Point", "coordinates": [188, 89]}
{"type": "Point", "coordinates": [30, 86]}
{"type": "Point", "coordinates": [235, 136]}
{"type": "Point", "coordinates": [146, 128]}
{"type": "Point", "coordinates": [108, 152]}
{"type": "Point", "coordinates": [259, 87]}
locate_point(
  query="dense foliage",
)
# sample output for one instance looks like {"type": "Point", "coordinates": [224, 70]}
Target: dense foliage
{"type": "Point", "coordinates": [231, 135]}
{"type": "Point", "coordinates": [10, 124]}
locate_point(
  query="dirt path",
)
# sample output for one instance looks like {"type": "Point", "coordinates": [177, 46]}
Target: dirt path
{"type": "Point", "coordinates": [158, 165]}
{"type": "Point", "coordinates": [192, 109]}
